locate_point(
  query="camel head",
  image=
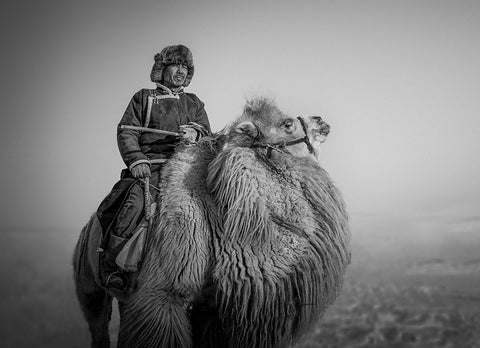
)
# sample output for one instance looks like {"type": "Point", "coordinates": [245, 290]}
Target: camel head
{"type": "Point", "coordinates": [263, 125]}
{"type": "Point", "coordinates": [316, 130]}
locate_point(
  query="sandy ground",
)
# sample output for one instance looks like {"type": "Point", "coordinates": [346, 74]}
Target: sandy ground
{"type": "Point", "coordinates": [411, 284]}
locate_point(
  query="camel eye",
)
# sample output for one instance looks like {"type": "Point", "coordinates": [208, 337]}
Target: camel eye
{"type": "Point", "coordinates": [287, 124]}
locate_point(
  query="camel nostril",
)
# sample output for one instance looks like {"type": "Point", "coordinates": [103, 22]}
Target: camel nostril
{"type": "Point", "coordinates": [326, 129]}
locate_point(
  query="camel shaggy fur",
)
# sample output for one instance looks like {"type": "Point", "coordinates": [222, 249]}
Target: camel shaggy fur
{"type": "Point", "coordinates": [249, 248]}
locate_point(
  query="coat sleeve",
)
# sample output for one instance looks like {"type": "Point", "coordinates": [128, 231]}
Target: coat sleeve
{"type": "Point", "coordinates": [127, 139]}
{"type": "Point", "coordinates": [201, 117]}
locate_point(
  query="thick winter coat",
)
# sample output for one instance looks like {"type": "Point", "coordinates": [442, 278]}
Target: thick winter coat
{"type": "Point", "coordinates": [165, 111]}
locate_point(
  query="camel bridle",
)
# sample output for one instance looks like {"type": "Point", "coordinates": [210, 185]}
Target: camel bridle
{"type": "Point", "coordinates": [282, 146]}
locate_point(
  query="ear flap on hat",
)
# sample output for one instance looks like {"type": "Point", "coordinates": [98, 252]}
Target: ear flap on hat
{"type": "Point", "coordinates": [157, 70]}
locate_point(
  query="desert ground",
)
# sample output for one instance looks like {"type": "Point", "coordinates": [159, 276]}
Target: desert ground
{"type": "Point", "coordinates": [412, 283]}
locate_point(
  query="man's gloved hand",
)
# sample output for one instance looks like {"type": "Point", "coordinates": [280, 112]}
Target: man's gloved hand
{"type": "Point", "coordinates": [188, 133]}
{"type": "Point", "coordinates": [141, 171]}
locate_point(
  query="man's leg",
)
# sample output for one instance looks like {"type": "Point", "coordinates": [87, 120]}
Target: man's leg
{"type": "Point", "coordinates": [123, 227]}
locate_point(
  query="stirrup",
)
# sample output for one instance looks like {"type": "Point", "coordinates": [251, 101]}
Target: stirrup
{"type": "Point", "coordinates": [120, 275]}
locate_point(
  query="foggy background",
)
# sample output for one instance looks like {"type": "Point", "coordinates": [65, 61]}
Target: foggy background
{"type": "Point", "coordinates": [398, 81]}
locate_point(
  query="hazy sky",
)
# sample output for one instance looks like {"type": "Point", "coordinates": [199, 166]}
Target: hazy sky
{"type": "Point", "coordinates": [398, 81]}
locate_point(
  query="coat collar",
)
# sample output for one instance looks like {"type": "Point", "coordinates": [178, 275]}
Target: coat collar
{"type": "Point", "coordinates": [163, 89]}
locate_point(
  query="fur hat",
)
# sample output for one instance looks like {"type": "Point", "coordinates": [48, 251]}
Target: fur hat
{"type": "Point", "coordinates": [176, 54]}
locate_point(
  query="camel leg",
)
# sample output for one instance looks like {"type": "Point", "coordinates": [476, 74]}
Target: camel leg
{"type": "Point", "coordinates": [207, 328]}
{"type": "Point", "coordinates": [153, 318]}
{"type": "Point", "coordinates": [95, 303]}
{"type": "Point", "coordinates": [97, 309]}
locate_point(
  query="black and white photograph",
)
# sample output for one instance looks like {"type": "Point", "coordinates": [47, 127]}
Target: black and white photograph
{"type": "Point", "coordinates": [196, 174]}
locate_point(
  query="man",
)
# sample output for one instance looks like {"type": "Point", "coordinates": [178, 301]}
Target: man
{"type": "Point", "coordinates": [167, 108]}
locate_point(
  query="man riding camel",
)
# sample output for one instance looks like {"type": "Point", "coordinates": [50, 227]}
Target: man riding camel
{"type": "Point", "coordinates": [145, 151]}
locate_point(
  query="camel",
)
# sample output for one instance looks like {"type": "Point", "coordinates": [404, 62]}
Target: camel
{"type": "Point", "coordinates": [250, 245]}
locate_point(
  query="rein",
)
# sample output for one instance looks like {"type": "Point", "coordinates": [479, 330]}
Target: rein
{"type": "Point", "coordinates": [281, 147]}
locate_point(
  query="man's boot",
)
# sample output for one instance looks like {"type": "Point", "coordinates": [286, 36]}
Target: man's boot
{"type": "Point", "coordinates": [111, 275]}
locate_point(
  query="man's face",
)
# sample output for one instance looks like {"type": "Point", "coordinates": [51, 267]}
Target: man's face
{"type": "Point", "coordinates": [174, 75]}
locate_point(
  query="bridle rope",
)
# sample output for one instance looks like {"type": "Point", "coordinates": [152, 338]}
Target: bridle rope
{"type": "Point", "coordinates": [281, 147]}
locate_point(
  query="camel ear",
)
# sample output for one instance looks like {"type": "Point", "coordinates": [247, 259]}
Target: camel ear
{"type": "Point", "coordinates": [247, 128]}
